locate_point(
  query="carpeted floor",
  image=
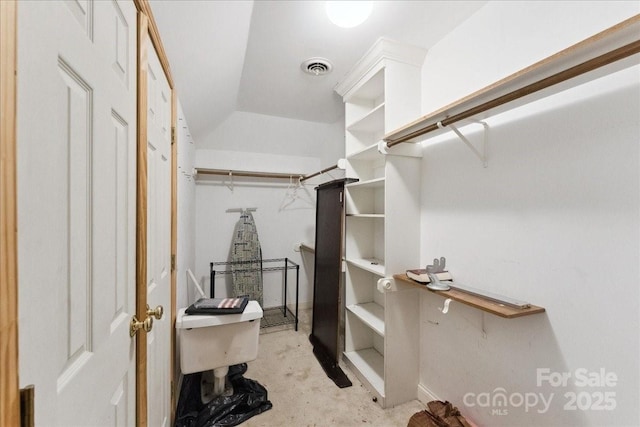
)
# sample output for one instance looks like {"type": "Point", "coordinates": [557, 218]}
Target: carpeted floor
{"type": "Point", "coordinates": [301, 393]}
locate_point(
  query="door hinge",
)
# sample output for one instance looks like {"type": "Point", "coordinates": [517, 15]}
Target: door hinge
{"type": "Point", "coordinates": [173, 263]}
{"type": "Point", "coordinates": [27, 406]}
{"type": "Point", "coordinates": [341, 197]}
{"type": "Point", "coordinates": [173, 135]}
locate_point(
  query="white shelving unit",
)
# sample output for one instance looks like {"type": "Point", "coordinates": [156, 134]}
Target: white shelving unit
{"type": "Point", "coordinates": [381, 93]}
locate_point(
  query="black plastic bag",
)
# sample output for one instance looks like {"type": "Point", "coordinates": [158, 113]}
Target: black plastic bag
{"type": "Point", "coordinates": [249, 398]}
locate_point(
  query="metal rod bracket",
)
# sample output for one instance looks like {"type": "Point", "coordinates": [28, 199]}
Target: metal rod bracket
{"type": "Point", "coordinates": [230, 185]}
{"type": "Point", "coordinates": [482, 155]}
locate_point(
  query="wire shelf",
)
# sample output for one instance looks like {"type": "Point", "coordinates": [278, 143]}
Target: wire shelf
{"type": "Point", "coordinates": [272, 316]}
{"type": "Point", "coordinates": [277, 316]}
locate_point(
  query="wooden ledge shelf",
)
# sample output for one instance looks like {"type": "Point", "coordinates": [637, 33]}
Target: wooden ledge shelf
{"type": "Point", "coordinates": [476, 301]}
{"type": "Point", "coordinates": [309, 248]}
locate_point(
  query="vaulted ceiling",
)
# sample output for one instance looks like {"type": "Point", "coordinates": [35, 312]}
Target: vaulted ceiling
{"type": "Point", "coordinates": [231, 56]}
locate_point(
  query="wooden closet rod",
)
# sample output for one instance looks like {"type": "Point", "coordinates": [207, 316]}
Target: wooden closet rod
{"type": "Point", "coordinates": [232, 173]}
{"type": "Point", "coordinates": [306, 177]}
{"type": "Point", "coordinates": [517, 85]}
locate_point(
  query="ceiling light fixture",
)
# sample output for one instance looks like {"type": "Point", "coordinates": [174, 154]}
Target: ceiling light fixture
{"type": "Point", "coordinates": [348, 14]}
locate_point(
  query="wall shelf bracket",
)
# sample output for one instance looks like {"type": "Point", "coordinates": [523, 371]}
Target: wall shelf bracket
{"type": "Point", "coordinates": [485, 136]}
{"type": "Point", "coordinates": [230, 185]}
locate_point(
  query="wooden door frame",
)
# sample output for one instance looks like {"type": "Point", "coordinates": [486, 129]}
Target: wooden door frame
{"type": "Point", "coordinates": [9, 382]}
{"type": "Point", "coordinates": [141, 221]}
{"type": "Point", "coordinates": [148, 33]}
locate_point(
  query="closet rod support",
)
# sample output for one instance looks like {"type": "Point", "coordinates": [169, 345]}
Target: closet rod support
{"type": "Point", "coordinates": [230, 186]}
{"type": "Point", "coordinates": [485, 135]}
{"type": "Point", "coordinates": [306, 177]}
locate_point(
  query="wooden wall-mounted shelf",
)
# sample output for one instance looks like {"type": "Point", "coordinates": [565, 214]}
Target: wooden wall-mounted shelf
{"type": "Point", "coordinates": [476, 301]}
{"type": "Point", "coordinates": [308, 248]}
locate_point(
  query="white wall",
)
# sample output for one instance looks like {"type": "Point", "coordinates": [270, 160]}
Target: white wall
{"type": "Point", "coordinates": [185, 258]}
{"type": "Point", "coordinates": [281, 226]}
{"type": "Point", "coordinates": [553, 220]}
{"type": "Point", "coordinates": [506, 36]}
{"type": "Point", "coordinates": [254, 142]}
{"type": "Point", "coordinates": [258, 133]}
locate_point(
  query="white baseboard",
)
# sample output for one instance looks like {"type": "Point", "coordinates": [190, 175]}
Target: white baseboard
{"type": "Point", "coordinates": [425, 395]}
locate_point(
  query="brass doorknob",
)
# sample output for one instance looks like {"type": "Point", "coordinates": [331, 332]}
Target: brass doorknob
{"type": "Point", "coordinates": [135, 325]}
{"type": "Point", "coordinates": [156, 312]}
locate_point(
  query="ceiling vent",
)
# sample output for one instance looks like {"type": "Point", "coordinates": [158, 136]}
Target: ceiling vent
{"type": "Point", "coordinates": [316, 66]}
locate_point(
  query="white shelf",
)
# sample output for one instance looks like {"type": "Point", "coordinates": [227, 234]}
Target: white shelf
{"type": "Point", "coordinates": [368, 153]}
{"type": "Point", "coordinates": [370, 364]}
{"type": "Point", "coordinates": [371, 315]}
{"type": "Point", "coordinates": [373, 121]}
{"type": "Point", "coordinates": [371, 183]}
{"type": "Point", "coordinates": [371, 265]}
{"type": "Point", "coordinates": [366, 215]}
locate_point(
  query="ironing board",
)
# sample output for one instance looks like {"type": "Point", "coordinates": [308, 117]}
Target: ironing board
{"type": "Point", "coordinates": [246, 259]}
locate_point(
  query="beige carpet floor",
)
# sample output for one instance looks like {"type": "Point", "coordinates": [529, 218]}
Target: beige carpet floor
{"type": "Point", "coordinates": [302, 394]}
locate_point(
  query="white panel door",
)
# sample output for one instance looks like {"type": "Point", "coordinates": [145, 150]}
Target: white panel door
{"type": "Point", "coordinates": [158, 240]}
{"type": "Point", "coordinates": [76, 209]}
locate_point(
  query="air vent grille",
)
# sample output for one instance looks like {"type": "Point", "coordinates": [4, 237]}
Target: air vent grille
{"type": "Point", "coordinates": [316, 66]}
